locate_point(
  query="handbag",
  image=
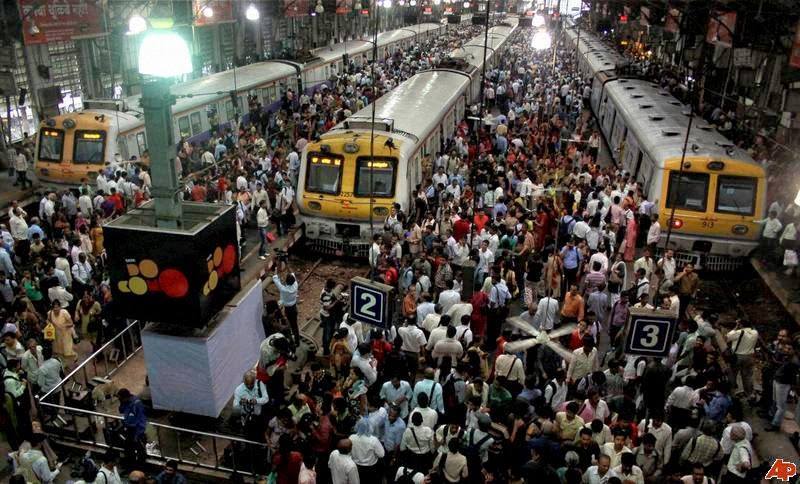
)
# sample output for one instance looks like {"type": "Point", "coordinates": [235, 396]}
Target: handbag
{"type": "Point", "coordinates": [49, 330]}
{"type": "Point", "coordinates": [790, 258]}
{"type": "Point", "coordinates": [271, 237]}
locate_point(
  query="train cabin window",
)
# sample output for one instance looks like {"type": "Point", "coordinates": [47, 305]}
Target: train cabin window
{"type": "Point", "coordinates": [89, 147]}
{"type": "Point", "coordinates": [183, 126]}
{"type": "Point", "coordinates": [51, 144]}
{"type": "Point", "coordinates": [736, 195]}
{"type": "Point", "coordinates": [229, 110]}
{"type": "Point", "coordinates": [197, 123]}
{"type": "Point", "coordinates": [381, 171]}
{"type": "Point", "coordinates": [141, 142]}
{"type": "Point", "coordinates": [324, 173]}
{"type": "Point", "coordinates": [688, 191]}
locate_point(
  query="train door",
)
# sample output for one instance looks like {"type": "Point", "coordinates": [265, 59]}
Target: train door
{"type": "Point", "coordinates": [618, 136]}
{"type": "Point", "coordinates": [630, 156]}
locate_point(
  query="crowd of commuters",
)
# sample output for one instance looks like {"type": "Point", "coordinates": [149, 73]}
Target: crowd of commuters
{"type": "Point", "coordinates": [517, 216]}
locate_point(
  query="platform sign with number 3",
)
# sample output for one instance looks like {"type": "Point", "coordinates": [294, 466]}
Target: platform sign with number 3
{"type": "Point", "coordinates": [650, 332]}
{"type": "Point", "coordinates": [371, 302]}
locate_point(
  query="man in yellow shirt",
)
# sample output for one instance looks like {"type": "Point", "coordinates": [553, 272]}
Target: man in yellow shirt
{"type": "Point", "coordinates": [568, 423]}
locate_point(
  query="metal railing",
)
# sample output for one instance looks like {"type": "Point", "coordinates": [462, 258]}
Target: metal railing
{"type": "Point", "coordinates": [69, 415]}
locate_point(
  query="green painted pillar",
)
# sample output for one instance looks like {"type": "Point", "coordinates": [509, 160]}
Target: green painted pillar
{"type": "Point", "coordinates": [157, 104]}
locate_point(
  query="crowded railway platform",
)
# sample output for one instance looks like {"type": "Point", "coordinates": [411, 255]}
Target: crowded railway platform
{"type": "Point", "coordinates": [507, 251]}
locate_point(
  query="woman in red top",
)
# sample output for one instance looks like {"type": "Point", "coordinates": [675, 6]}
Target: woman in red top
{"type": "Point", "coordinates": [286, 462]}
{"type": "Point", "coordinates": [576, 337]}
{"type": "Point", "coordinates": [480, 302]}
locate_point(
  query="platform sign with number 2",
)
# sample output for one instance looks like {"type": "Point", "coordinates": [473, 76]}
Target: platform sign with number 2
{"type": "Point", "coordinates": [371, 302]}
{"type": "Point", "coordinates": [650, 332]}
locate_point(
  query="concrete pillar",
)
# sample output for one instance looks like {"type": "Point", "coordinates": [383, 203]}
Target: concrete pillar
{"type": "Point", "coordinates": [36, 82]}
{"type": "Point", "coordinates": [90, 83]}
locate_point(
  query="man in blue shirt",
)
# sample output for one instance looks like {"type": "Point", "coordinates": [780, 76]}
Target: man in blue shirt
{"type": "Point", "coordinates": [572, 262]}
{"type": "Point", "coordinates": [220, 150]}
{"type": "Point", "coordinates": [134, 423]}
{"type": "Point", "coordinates": [393, 431]}
{"type": "Point", "coordinates": [288, 299]}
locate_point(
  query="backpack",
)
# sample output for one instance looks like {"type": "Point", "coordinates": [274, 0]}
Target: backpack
{"type": "Point", "coordinates": [449, 396]}
{"type": "Point", "coordinates": [89, 471]}
{"type": "Point", "coordinates": [472, 450]}
{"type": "Point", "coordinates": [563, 227]}
{"type": "Point", "coordinates": [407, 476]}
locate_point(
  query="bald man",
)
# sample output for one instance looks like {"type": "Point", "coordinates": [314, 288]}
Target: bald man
{"type": "Point", "coordinates": [343, 469]}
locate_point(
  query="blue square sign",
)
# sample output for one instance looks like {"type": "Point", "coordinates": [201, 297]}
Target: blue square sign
{"type": "Point", "coordinates": [371, 302]}
{"type": "Point", "coordinates": [650, 332]}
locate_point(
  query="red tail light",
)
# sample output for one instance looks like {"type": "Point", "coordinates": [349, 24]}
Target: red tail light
{"type": "Point", "coordinates": [677, 223]}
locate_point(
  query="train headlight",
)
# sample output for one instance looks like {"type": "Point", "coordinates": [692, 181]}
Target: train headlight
{"type": "Point", "coordinates": [380, 211]}
{"type": "Point", "coordinates": [315, 205]}
{"type": "Point", "coordinates": [677, 223]}
{"type": "Point", "coordinates": [740, 229]}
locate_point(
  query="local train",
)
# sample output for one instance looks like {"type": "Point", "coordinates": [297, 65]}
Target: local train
{"type": "Point", "coordinates": [74, 146]}
{"type": "Point", "coordinates": [721, 190]}
{"type": "Point", "coordinates": [349, 180]}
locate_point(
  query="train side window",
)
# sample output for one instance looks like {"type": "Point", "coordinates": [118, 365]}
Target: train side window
{"type": "Point", "coordinates": [212, 116]}
{"type": "Point", "coordinates": [692, 194]}
{"type": "Point", "coordinates": [141, 142]}
{"type": "Point", "coordinates": [183, 126]}
{"type": "Point", "coordinates": [197, 123]}
{"type": "Point", "coordinates": [229, 110]}
{"type": "Point", "coordinates": [51, 144]}
{"type": "Point", "coordinates": [89, 147]}
{"type": "Point", "coordinates": [736, 194]}
{"type": "Point", "coordinates": [273, 94]}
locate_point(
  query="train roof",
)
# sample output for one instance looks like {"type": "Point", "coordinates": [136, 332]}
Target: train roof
{"type": "Point", "coordinates": [601, 57]}
{"type": "Point", "coordinates": [204, 89]}
{"type": "Point", "coordinates": [122, 120]}
{"type": "Point", "coordinates": [472, 51]}
{"type": "Point", "coordinates": [659, 122]}
{"type": "Point", "coordinates": [414, 106]}
{"type": "Point", "coordinates": [252, 75]}
{"type": "Point", "coordinates": [358, 46]}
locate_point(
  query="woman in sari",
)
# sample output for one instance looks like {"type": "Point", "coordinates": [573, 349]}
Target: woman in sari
{"type": "Point", "coordinates": [552, 275]}
{"type": "Point", "coordinates": [86, 311]}
{"type": "Point", "coordinates": [65, 331]}
{"type": "Point", "coordinates": [631, 233]}
{"type": "Point", "coordinates": [480, 303]}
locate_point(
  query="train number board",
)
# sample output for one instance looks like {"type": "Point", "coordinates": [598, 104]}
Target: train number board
{"type": "Point", "coordinates": [371, 302]}
{"type": "Point", "coordinates": [650, 332]}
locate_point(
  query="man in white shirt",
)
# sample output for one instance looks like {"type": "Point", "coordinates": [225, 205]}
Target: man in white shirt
{"type": "Point", "coordinates": [449, 297]}
{"type": "Point", "coordinates": [653, 233]}
{"type": "Point", "coordinates": [363, 360]}
{"type": "Point", "coordinates": [661, 431]}
{"type": "Point", "coordinates": [262, 222]}
{"type": "Point", "coordinates": [485, 261]}
{"type": "Point", "coordinates": [547, 313]}
{"type": "Point", "coordinates": [397, 392]}
{"type": "Point", "coordinates": [366, 451]}
{"type": "Point", "coordinates": [418, 439]}
{"type": "Point", "coordinates": [743, 340]}
{"type": "Point", "coordinates": [600, 473]}
{"type": "Point", "coordinates": [769, 236]}
{"type": "Point", "coordinates": [250, 396]}
{"type": "Point", "coordinates": [628, 471]}
{"type": "Point", "coordinates": [343, 468]}
{"type": "Point", "coordinates": [448, 347]}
